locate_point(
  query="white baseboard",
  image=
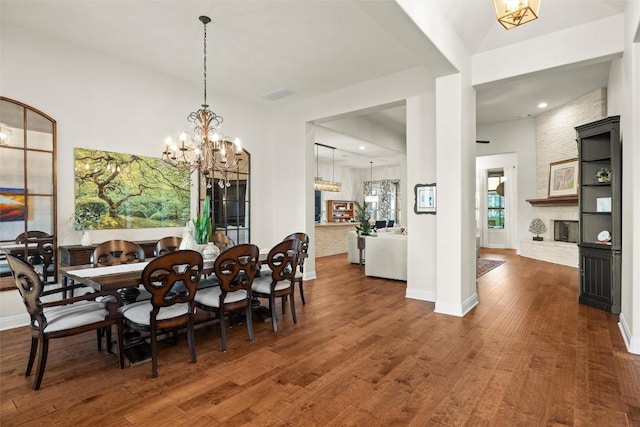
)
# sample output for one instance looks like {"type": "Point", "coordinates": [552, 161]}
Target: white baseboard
{"type": "Point", "coordinates": [309, 275]}
{"type": "Point", "coordinates": [469, 303]}
{"type": "Point", "coordinates": [14, 321]}
{"type": "Point", "coordinates": [458, 310]}
{"type": "Point", "coordinates": [632, 343]}
{"type": "Point", "coordinates": [420, 295]}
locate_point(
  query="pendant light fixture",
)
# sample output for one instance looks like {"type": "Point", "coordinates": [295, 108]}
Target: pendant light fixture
{"type": "Point", "coordinates": [371, 198]}
{"type": "Point", "coordinates": [208, 150]}
{"type": "Point", "coordinates": [319, 183]}
{"type": "Point", "coordinates": [513, 13]}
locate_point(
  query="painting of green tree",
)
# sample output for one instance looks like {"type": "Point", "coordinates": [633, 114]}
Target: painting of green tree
{"type": "Point", "coordinates": [116, 190]}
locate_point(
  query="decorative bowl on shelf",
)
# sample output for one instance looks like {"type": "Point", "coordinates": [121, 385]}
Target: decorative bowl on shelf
{"type": "Point", "coordinates": [604, 236]}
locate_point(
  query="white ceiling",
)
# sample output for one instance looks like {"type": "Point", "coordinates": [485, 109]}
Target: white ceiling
{"type": "Point", "coordinates": [309, 46]}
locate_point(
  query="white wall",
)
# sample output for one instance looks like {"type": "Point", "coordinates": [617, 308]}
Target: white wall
{"type": "Point", "coordinates": [105, 103]}
{"type": "Point", "coordinates": [599, 39]}
{"type": "Point", "coordinates": [628, 80]}
{"type": "Point", "coordinates": [290, 129]}
{"type": "Point", "coordinates": [422, 229]}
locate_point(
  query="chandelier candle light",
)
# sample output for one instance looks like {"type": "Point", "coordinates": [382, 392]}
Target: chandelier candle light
{"type": "Point", "coordinates": [5, 134]}
{"type": "Point", "coordinates": [208, 150]}
{"type": "Point", "coordinates": [513, 13]}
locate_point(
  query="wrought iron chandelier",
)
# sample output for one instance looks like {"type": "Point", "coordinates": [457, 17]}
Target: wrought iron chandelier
{"type": "Point", "coordinates": [512, 13]}
{"type": "Point", "coordinates": [208, 150]}
{"type": "Point", "coordinates": [319, 183]}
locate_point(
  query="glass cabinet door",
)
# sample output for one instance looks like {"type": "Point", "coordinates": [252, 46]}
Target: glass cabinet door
{"type": "Point", "coordinates": [27, 188]}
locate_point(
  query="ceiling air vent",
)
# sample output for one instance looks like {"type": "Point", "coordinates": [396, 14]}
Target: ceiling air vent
{"type": "Point", "coordinates": [278, 94]}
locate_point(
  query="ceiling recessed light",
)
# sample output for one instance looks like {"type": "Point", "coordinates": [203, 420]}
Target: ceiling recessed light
{"type": "Point", "coordinates": [362, 147]}
{"type": "Point", "coordinates": [542, 105]}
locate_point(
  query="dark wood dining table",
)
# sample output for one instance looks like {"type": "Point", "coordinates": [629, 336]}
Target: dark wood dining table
{"type": "Point", "coordinates": [111, 278]}
{"type": "Point", "coordinates": [107, 279]}
{"type": "Point", "coordinates": [114, 277]}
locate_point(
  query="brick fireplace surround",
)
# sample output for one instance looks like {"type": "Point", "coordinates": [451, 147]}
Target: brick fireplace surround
{"type": "Point", "coordinates": [549, 250]}
{"type": "Point", "coordinates": [556, 141]}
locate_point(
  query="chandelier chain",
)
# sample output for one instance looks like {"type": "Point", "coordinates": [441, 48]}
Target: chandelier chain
{"type": "Point", "coordinates": [205, 65]}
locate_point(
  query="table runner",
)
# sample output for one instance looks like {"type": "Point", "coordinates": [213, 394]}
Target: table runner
{"type": "Point", "coordinates": [111, 269]}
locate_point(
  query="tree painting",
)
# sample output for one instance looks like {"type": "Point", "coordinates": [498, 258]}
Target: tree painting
{"type": "Point", "coordinates": [116, 190]}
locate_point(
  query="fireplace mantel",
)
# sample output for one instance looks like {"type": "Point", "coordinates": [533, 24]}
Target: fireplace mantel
{"type": "Point", "coordinates": [555, 201]}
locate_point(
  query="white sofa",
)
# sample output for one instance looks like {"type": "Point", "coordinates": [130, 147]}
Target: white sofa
{"type": "Point", "coordinates": [385, 254]}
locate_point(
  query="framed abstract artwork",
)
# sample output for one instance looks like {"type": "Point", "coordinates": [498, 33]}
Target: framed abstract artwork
{"type": "Point", "coordinates": [425, 199]}
{"type": "Point", "coordinates": [12, 204]}
{"type": "Point", "coordinates": [563, 178]}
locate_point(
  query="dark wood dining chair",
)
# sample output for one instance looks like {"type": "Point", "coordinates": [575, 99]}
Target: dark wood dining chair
{"type": "Point", "coordinates": [115, 252]}
{"type": "Point", "coordinates": [166, 245]}
{"type": "Point", "coordinates": [222, 241]}
{"type": "Point", "coordinates": [172, 280]}
{"type": "Point", "coordinates": [44, 253]}
{"type": "Point", "coordinates": [283, 262]}
{"type": "Point", "coordinates": [303, 255]}
{"type": "Point", "coordinates": [235, 269]}
{"type": "Point", "coordinates": [62, 317]}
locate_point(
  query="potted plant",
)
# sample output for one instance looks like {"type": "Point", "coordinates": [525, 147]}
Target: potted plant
{"type": "Point", "coordinates": [603, 175]}
{"type": "Point", "coordinates": [537, 227]}
{"type": "Point", "coordinates": [86, 217]}
{"type": "Point", "coordinates": [202, 224]}
{"type": "Point", "coordinates": [362, 217]}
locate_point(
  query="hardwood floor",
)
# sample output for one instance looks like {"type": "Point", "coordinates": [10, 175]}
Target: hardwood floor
{"type": "Point", "coordinates": [361, 354]}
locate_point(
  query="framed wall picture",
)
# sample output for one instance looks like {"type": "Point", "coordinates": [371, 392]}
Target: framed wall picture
{"type": "Point", "coordinates": [425, 198]}
{"type": "Point", "coordinates": [121, 191]}
{"type": "Point", "coordinates": [563, 178]}
{"type": "Point", "coordinates": [12, 204]}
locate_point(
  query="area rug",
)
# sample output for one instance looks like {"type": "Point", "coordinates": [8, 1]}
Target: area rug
{"type": "Point", "coordinates": [486, 265]}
